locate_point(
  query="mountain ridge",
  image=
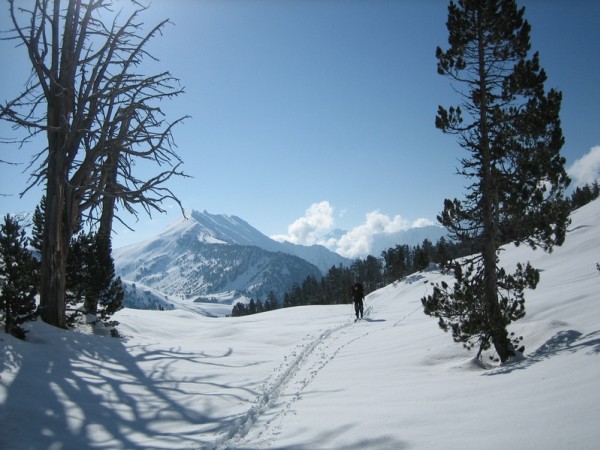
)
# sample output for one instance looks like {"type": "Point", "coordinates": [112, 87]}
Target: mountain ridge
{"type": "Point", "coordinates": [208, 256]}
{"type": "Point", "coordinates": [203, 257]}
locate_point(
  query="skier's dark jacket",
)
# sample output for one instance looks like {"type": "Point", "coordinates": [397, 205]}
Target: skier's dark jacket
{"type": "Point", "coordinates": [358, 292]}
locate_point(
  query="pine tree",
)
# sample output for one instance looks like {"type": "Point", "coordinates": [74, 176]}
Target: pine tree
{"type": "Point", "coordinates": [395, 263]}
{"type": "Point", "coordinates": [92, 286]}
{"type": "Point", "coordinates": [373, 273]}
{"type": "Point", "coordinates": [511, 129]}
{"type": "Point", "coordinates": [110, 301]}
{"type": "Point", "coordinates": [294, 298]}
{"type": "Point", "coordinates": [90, 273]}
{"type": "Point", "coordinates": [19, 277]}
{"type": "Point", "coordinates": [584, 195]}
{"type": "Point", "coordinates": [252, 307]}
{"type": "Point", "coordinates": [311, 291]}
{"type": "Point", "coordinates": [37, 235]}
{"type": "Point", "coordinates": [442, 254]}
{"type": "Point", "coordinates": [77, 273]}
{"type": "Point", "coordinates": [421, 256]}
{"type": "Point", "coordinates": [238, 310]}
{"type": "Point", "coordinates": [271, 303]}
{"type": "Point", "coordinates": [368, 271]}
{"type": "Point", "coordinates": [105, 293]}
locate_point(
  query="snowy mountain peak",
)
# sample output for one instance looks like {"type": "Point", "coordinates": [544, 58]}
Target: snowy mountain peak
{"type": "Point", "coordinates": [215, 229]}
{"type": "Point", "coordinates": [206, 255]}
{"type": "Point", "coordinates": [227, 229]}
{"type": "Point", "coordinates": [190, 227]}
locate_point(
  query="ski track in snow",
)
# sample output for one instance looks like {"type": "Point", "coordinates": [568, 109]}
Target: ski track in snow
{"type": "Point", "coordinates": [285, 386]}
{"type": "Point", "coordinates": [403, 318]}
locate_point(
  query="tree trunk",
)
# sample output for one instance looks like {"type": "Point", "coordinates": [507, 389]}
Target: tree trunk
{"type": "Point", "coordinates": [499, 334]}
{"type": "Point", "coordinates": [54, 249]}
{"type": "Point", "coordinates": [61, 211]}
{"type": "Point", "coordinates": [107, 216]}
{"type": "Point", "coordinates": [108, 201]}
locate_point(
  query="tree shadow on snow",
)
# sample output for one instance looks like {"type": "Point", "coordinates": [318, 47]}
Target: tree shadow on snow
{"type": "Point", "coordinates": [76, 391]}
{"type": "Point", "coordinates": [565, 341]}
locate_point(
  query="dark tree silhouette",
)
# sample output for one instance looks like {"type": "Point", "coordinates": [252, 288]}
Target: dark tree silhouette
{"type": "Point", "coordinates": [510, 127]}
{"type": "Point", "coordinates": [19, 277]}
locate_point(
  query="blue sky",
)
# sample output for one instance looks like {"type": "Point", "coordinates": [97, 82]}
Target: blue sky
{"type": "Point", "coordinates": [313, 115]}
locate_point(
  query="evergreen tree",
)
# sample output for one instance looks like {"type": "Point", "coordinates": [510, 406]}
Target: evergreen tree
{"type": "Point", "coordinates": [92, 286]}
{"type": "Point", "coordinates": [90, 273]}
{"type": "Point", "coordinates": [336, 285]}
{"type": "Point", "coordinates": [252, 307]}
{"type": "Point", "coordinates": [271, 303]}
{"type": "Point", "coordinates": [511, 129]}
{"type": "Point", "coordinates": [110, 301]}
{"type": "Point", "coordinates": [584, 195]}
{"type": "Point", "coordinates": [421, 256]}
{"type": "Point", "coordinates": [395, 263]}
{"type": "Point", "coordinates": [77, 273]}
{"type": "Point", "coordinates": [443, 253]}
{"type": "Point", "coordinates": [294, 298]}
{"type": "Point", "coordinates": [368, 271]}
{"type": "Point", "coordinates": [104, 294]}
{"type": "Point", "coordinates": [37, 235]}
{"type": "Point", "coordinates": [19, 277]}
{"type": "Point", "coordinates": [238, 310]}
{"type": "Point", "coordinates": [311, 291]}
{"type": "Point", "coordinates": [373, 273]}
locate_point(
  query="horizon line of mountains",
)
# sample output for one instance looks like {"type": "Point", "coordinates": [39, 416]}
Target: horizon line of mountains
{"type": "Point", "coordinates": [221, 258]}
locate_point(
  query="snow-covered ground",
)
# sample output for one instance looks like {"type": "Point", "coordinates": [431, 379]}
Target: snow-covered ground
{"type": "Point", "coordinates": [311, 378]}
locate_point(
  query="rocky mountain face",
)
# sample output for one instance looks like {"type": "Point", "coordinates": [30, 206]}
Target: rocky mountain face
{"type": "Point", "coordinates": [220, 258]}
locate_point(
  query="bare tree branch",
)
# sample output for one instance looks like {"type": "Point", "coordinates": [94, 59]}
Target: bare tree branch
{"type": "Point", "coordinates": [99, 116]}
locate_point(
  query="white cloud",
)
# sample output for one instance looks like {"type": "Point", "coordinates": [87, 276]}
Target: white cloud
{"type": "Point", "coordinates": [317, 220]}
{"type": "Point", "coordinates": [587, 168]}
{"type": "Point", "coordinates": [419, 223]}
{"type": "Point", "coordinates": [358, 241]}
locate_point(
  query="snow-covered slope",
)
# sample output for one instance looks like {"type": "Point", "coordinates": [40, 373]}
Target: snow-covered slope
{"type": "Point", "coordinates": [311, 378]}
{"type": "Point", "coordinates": [179, 264]}
{"type": "Point", "coordinates": [143, 297]}
{"type": "Point", "coordinates": [207, 256]}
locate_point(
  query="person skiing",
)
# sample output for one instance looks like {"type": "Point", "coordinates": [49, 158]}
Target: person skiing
{"type": "Point", "coordinates": [358, 294]}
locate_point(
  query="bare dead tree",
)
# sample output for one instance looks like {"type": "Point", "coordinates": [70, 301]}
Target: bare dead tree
{"type": "Point", "coordinates": [99, 116]}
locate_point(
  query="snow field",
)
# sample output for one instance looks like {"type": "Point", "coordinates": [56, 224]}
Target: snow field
{"type": "Point", "coordinates": [310, 378]}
